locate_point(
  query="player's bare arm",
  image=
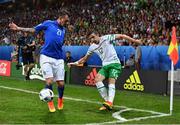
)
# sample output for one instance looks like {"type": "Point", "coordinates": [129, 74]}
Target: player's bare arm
{"type": "Point", "coordinates": [123, 36]}
{"type": "Point", "coordinates": [13, 26]}
{"type": "Point", "coordinates": [81, 61]}
{"type": "Point", "coordinates": [84, 59]}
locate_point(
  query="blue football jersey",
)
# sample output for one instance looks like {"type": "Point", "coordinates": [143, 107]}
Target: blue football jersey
{"type": "Point", "coordinates": [54, 38]}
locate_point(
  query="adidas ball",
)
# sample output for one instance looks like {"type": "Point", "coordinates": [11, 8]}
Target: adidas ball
{"type": "Point", "coordinates": [46, 95]}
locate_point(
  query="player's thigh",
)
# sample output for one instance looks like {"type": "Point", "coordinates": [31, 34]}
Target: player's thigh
{"type": "Point", "coordinates": [102, 74]}
{"type": "Point", "coordinates": [115, 71]}
{"type": "Point", "coordinates": [46, 66]}
{"type": "Point", "coordinates": [59, 72]}
{"type": "Point", "coordinates": [99, 78]}
{"type": "Point", "coordinates": [47, 70]}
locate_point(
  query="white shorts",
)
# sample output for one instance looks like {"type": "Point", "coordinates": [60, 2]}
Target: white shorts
{"type": "Point", "coordinates": [52, 68]}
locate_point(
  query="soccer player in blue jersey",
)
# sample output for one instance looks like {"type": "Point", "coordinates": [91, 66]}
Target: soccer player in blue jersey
{"type": "Point", "coordinates": [51, 58]}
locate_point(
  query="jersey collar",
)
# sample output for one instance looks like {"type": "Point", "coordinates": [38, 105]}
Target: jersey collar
{"type": "Point", "coordinates": [56, 22]}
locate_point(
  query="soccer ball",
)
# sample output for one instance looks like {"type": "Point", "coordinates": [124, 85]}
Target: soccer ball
{"type": "Point", "coordinates": [46, 95]}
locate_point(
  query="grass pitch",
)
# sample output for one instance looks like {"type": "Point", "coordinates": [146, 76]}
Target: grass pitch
{"type": "Point", "coordinates": [80, 107]}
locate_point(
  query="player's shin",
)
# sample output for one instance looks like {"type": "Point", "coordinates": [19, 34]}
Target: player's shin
{"type": "Point", "coordinates": [111, 93]}
{"type": "Point", "coordinates": [60, 91]}
{"type": "Point", "coordinates": [49, 86]}
{"type": "Point", "coordinates": [102, 90]}
{"type": "Point", "coordinates": [60, 99]}
{"type": "Point", "coordinates": [50, 103]}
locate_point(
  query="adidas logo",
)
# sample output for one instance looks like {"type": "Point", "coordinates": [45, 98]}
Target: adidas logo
{"type": "Point", "coordinates": [90, 78]}
{"type": "Point", "coordinates": [36, 73]}
{"type": "Point", "coordinates": [134, 83]}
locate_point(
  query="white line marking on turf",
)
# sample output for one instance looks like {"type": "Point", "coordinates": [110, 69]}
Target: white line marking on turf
{"type": "Point", "coordinates": [137, 119]}
{"type": "Point", "coordinates": [115, 115]}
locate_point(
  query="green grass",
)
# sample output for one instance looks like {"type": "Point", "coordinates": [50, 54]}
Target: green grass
{"type": "Point", "coordinates": [19, 107]}
{"type": "Point", "coordinates": [26, 108]}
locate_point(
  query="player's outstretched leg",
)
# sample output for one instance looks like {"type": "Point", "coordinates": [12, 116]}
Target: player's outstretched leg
{"type": "Point", "coordinates": [101, 88]}
{"type": "Point", "coordinates": [103, 92]}
{"type": "Point", "coordinates": [60, 93]}
{"type": "Point", "coordinates": [51, 103]}
{"type": "Point", "coordinates": [111, 94]}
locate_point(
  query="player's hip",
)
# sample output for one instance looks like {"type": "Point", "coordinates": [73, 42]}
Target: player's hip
{"type": "Point", "coordinates": [112, 66]}
{"type": "Point", "coordinates": [111, 71]}
{"type": "Point", "coordinates": [106, 63]}
{"type": "Point", "coordinates": [52, 61]}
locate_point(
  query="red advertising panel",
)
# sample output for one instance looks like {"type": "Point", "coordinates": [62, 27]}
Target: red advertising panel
{"type": "Point", "coordinates": [5, 68]}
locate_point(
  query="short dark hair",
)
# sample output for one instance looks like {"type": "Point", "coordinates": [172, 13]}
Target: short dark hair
{"type": "Point", "coordinates": [91, 34]}
{"type": "Point", "coordinates": [63, 13]}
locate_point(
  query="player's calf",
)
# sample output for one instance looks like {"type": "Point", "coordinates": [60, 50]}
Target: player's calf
{"type": "Point", "coordinates": [60, 93]}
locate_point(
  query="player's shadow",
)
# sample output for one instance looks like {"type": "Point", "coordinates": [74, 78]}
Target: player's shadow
{"type": "Point", "coordinates": [96, 110]}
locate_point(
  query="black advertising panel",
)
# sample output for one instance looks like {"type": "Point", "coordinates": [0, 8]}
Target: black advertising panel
{"type": "Point", "coordinates": [130, 79]}
{"type": "Point", "coordinates": [83, 75]}
{"type": "Point", "coordinates": [143, 81]}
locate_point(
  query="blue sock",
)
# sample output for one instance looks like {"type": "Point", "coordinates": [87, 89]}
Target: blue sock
{"type": "Point", "coordinates": [60, 91]}
{"type": "Point", "coordinates": [48, 86]}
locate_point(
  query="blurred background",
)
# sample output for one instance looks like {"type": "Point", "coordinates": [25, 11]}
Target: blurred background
{"type": "Point", "coordinates": [149, 20]}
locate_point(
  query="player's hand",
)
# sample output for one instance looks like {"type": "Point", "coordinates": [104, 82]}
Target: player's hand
{"type": "Point", "coordinates": [69, 65]}
{"type": "Point", "coordinates": [73, 63]}
{"type": "Point", "coordinates": [13, 26]}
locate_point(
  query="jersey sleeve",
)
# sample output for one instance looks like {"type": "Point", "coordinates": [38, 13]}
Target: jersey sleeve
{"type": "Point", "coordinates": [90, 50]}
{"type": "Point", "coordinates": [108, 38]}
{"type": "Point", "coordinates": [41, 26]}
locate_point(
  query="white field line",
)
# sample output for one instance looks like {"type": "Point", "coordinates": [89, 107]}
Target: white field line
{"type": "Point", "coordinates": [115, 115]}
{"type": "Point", "coordinates": [134, 119]}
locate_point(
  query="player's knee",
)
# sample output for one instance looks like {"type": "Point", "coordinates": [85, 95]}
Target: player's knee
{"type": "Point", "coordinates": [112, 80]}
{"type": "Point", "coordinates": [49, 81]}
{"type": "Point", "coordinates": [60, 83]}
{"type": "Point", "coordinates": [97, 79]}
